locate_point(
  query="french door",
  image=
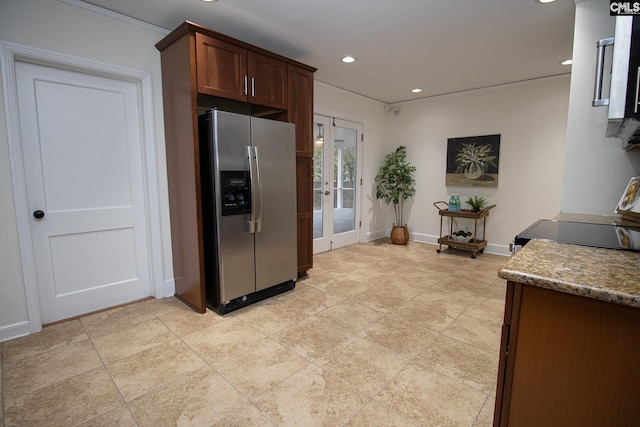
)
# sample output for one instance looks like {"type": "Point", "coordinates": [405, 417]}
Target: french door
{"type": "Point", "coordinates": [336, 183]}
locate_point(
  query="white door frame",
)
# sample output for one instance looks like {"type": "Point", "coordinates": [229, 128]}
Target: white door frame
{"type": "Point", "coordinates": [341, 115]}
{"type": "Point", "coordinates": [9, 54]}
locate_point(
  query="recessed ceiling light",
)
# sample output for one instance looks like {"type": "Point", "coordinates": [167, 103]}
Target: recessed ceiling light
{"type": "Point", "coordinates": [545, 1]}
{"type": "Point", "coordinates": [567, 62]}
{"type": "Point", "coordinates": [209, 1]}
{"type": "Point", "coordinates": [348, 59]}
{"type": "Point", "coordinates": [416, 90]}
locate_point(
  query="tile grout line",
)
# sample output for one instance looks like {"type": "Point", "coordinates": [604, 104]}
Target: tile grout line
{"type": "Point", "coordinates": [113, 381]}
{"type": "Point", "coordinates": [246, 397]}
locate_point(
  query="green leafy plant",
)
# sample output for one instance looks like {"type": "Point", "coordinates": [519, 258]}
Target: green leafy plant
{"type": "Point", "coordinates": [474, 160]}
{"type": "Point", "coordinates": [395, 182]}
{"type": "Point", "coordinates": [476, 203]}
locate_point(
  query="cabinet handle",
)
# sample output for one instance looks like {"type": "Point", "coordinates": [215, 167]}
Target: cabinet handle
{"type": "Point", "coordinates": [253, 87]}
{"type": "Point", "coordinates": [245, 86]}
{"type": "Point", "coordinates": [597, 89]}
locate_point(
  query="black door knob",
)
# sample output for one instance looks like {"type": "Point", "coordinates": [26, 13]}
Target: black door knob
{"type": "Point", "coordinates": [38, 214]}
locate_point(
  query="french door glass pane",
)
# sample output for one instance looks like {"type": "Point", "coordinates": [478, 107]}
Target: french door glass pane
{"type": "Point", "coordinates": [318, 178]}
{"type": "Point", "coordinates": [344, 176]}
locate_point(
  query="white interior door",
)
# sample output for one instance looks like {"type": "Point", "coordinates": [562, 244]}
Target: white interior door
{"type": "Point", "coordinates": [81, 149]}
{"type": "Point", "coordinates": [336, 184]}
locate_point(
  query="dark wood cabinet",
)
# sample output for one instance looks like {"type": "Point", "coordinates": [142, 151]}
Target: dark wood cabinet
{"type": "Point", "coordinates": [300, 112]}
{"type": "Point", "coordinates": [221, 68]}
{"type": "Point", "coordinates": [304, 178]}
{"type": "Point", "coordinates": [301, 108]}
{"type": "Point", "coordinates": [266, 81]}
{"type": "Point", "coordinates": [229, 71]}
{"type": "Point", "coordinates": [567, 360]}
{"type": "Point", "coordinates": [203, 69]}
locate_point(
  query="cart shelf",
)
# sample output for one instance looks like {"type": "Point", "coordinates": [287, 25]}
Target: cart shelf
{"type": "Point", "coordinates": [474, 245]}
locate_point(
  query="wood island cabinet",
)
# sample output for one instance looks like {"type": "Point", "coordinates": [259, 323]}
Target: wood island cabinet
{"type": "Point", "coordinates": [567, 360]}
{"type": "Point", "coordinates": [203, 69]}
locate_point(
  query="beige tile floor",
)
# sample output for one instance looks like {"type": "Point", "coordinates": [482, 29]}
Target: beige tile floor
{"type": "Point", "coordinates": [376, 335]}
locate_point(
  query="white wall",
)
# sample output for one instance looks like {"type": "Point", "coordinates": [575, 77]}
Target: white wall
{"type": "Point", "coordinates": [531, 118]}
{"type": "Point", "coordinates": [596, 170]}
{"type": "Point", "coordinates": [65, 28]}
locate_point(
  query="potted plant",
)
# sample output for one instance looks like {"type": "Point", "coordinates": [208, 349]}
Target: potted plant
{"type": "Point", "coordinates": [394, 184]}
{"type": "Point", "coordinates": [476, 203]}
{"type": "Point", "coordinates": [474, 160]}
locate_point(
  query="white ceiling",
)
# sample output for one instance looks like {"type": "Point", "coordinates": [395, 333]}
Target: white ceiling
{"type": "Point", "coordinates": [441, 46]}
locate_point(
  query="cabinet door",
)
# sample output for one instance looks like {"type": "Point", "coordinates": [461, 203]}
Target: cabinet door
{"type": "Point", "coordinates": [267, 81]}
{"type": "Point", "coordinates": [221, 68]}
{"type": "Point", "coordinates": [304, 181]}
{"type": "Point", "coordinates": [300, 112]}
{"type": "Point", "coordinates": [301, 108]}
{"type": "Point", "coordinates": [572, 361]}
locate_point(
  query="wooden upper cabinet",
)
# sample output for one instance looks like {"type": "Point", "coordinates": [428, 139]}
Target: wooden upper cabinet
{"type": "Point", "coordinates": [221, 68]}
{"type": "Point", "coordinates": [301, 108]}
{"type": "Point", "coordinates": [232, 72]}
{"type": "Point", "coordinates": [267, 81]}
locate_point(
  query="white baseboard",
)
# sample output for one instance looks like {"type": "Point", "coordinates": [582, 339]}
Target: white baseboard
{"type": "Point", "coordinates": [497, 249]}
{"type": "Point", "coordinates": [491, 248]}
{"type": "Point", "coordinates": [424, 238]}
{"type": "Point", "coordinates": [375, 235]}
{"type": "Point", "coordinates": [169, 289]}
{"type": "Point", "coordinates": [15, 330]}
{"type": "Point", "coordinates": [21, 329]}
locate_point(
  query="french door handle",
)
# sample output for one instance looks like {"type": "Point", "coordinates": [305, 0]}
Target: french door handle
{"type": "Point", "coordinates": [38, 214]}
{"type": "Point", "coordinates": [326, 193]}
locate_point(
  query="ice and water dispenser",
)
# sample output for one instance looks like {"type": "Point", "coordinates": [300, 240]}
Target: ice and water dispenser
{"type": "Point", "coordinates": [236, 192]}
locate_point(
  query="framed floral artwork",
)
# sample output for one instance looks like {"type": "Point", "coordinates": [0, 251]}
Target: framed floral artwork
{"type": "Point", "coordinates": [473, 161]}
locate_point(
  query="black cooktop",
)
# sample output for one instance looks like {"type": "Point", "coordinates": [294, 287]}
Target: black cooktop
{"type": "Point", "coordinates": [582, 233]}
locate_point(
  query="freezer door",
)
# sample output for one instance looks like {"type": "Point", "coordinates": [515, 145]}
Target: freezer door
{"type": "Point", "coordinates": [276, 240]}
{"type": "Point", "coordinates": [236, 264]}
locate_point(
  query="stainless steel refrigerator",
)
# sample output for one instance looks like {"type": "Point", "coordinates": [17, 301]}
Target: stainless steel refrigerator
{"type": "Point", "coordinates": [248, 185]}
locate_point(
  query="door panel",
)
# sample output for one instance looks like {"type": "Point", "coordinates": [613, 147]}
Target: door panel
{"type": "Point", "coordinates": [344, 166]}
{"type": "Point", "coordinates": [81, 143]}
{"type": "Point", "coordinates": [73, 256]}
{"type": "Point", "coordinates": [322, 177]}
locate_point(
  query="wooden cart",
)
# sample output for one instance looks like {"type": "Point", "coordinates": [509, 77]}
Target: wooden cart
{"type": "Point", "coordinates": [474, 245]}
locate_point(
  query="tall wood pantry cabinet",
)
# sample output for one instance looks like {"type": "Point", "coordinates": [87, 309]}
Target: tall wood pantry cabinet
{"type": "Point", "coordinates": [203, 69]}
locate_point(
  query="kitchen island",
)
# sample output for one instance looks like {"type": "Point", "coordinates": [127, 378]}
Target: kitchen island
{"type": "Point", "coordinates": [570, 350]}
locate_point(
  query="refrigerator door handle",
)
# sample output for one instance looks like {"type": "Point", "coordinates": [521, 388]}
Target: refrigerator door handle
{"type": "Point", "coordinates": [251, 225]}
{"type": "Point", "coordinates": [258, 183]}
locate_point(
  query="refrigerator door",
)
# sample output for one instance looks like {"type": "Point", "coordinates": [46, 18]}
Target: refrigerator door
{"type": "Point", "coordinates": [276, 240]}
{"type": "Point", "coordinates": [235, 254]}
